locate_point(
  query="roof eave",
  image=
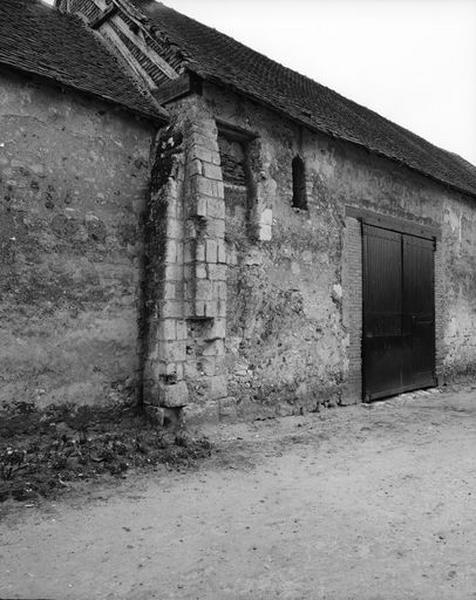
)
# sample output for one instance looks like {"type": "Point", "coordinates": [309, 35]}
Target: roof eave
{"type": "Point", "coordinates": [159, 118]}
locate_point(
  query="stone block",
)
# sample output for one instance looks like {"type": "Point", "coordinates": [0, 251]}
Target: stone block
{"type": "Point", "coordinates": [212, 171]}
{"type": "Point", "coordinates": [181, 329]}
{"type": "Point", "coordinates": [207, 140]}
{"type": "Point", "coordinates": [199, 254]}
{"type": "Point", "coordinates": [266, 218]}
{"type": "Point", "coordinates": [214, 348]}
{"type": "Point", "coordinates": [216, 208]}
{"type": "Point", "coordinates": [216, 272]}
{"type": "Point", "coordinates": [201, 270]}
{"type": "Point", "coordinates": [211, 308]}
{"type": "Point", "coordinates": [219, 328]}
{"type": "Point", "coordinates": [201, 206]}
{"type": "Point", "coordinates": [265, 233]}
{"type": "Point", "coordinates": [199, 308]}
{"type": "Point", "coordinates": [171, 252]}
{"type": "Point", "coordinates": [173, 351]}
{"type": "Point", "coordinates": [174, 229]}
{"type": "Point", "coordinates": [219, 290]}
{"type": "Point", "coordinates": [221, 363]}
{"type": "Point", "coordinates": [165, 368]}
{"type": "Point", "coordinates": [221, 308]}
{"type": "Point", "coordinates": [169, 290]}
{"type": "Point", "coordinates": [218, 387]}
{"type": "Point", "coordinates": [201, 185]}
{"type": "Point", "coordinates": [167, 330]}
{"type": "Point", "coordinates": [189, 248]}
{"type": "Point", "coordinates": [173, 395]}
{"type": "Point", "coordinates": [216, 228]}
{"type": "Point", "coordinates": [221, 251]}
{"type": "Point", "coordinates": [179, 289]}
{"type": "Point", "coordinates": [202, 153]}
{"type": "Point", "coordinates": [205, 127]}
{"type": "Point", "coordinates": [195, 167]}
{"type": "Point", "coordinates": [211, 251]}
{"type": "Point", "coordinates": [179, 210]}
{"type": "Point", "coordinates": [203, 289]}
{"type": "Point", "coordinates": [189, 290]}
{"type": "Point", "coordinates": [190, 229]}
{"type": "Point", "coordinates": [179, 252]}
{"type": "Point", "coordinates": [216, 158]}
{"type": "Point", "coordinates": [218, 189]}
{"type": "Point", "coordinates": [265, 225]}
{"type": "Point", "coordinates": [190, 370]}
{"type": "Point", "coordinates": [220, 273]}
{"type": "Point", "coordinates": [171, 309]}
{"type": "Point", "coordinates": [173, 272]}
{"type": "Point", "coordinates": [207, 364]}
{"type": "Point", "coordinates": [179, 370]}
{"type": "Point", "coordinates": [210, 348]}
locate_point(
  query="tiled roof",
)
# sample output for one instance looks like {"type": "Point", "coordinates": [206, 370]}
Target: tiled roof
{"type": "Point", "coordinates": [221, 59]}
{"type": "Point", "coordinates": [41, 40]}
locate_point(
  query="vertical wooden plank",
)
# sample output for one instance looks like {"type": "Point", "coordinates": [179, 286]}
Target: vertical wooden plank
{"type": "Point", "coordinates": [382, 335]}
{"type": "Point", "coordinates": [419, 311]}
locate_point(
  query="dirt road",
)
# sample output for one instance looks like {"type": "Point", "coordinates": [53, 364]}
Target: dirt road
{"type": "Point", "coordinates": [359, 503]}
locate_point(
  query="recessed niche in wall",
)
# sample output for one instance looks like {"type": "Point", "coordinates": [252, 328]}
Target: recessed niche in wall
{"type": "Point", "coordinates": [299, 183]}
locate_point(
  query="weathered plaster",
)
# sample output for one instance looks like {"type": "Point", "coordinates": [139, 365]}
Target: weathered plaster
{"type": "Point", "coordinates": [73, 180]}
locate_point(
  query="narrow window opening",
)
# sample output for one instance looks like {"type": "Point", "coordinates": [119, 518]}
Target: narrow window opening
{"type": "Point", "coordinates": [299, 183]}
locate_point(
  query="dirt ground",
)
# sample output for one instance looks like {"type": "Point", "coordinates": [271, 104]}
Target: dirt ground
{"type": "Point", "coordinates": [367, 502]}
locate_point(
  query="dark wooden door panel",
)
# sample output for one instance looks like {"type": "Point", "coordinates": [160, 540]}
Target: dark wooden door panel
{"type": "Point", "coordinates": [418, 310]}
{"type": "Point", "coordinates": [398, 331]}
{"type": "Point", "coordinates": [382, 310]}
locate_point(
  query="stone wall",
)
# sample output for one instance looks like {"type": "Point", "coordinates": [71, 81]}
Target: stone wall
{"type": "Point", "coordinates": [74, 176]}
{"type": "Point", "coordinates": [252, 288]}
{"type": "Point", "coordinates": [293, 276]}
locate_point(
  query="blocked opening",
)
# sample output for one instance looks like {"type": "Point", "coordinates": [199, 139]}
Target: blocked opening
{"type": "Point", "coordinates": [235, 169]}
{"type": "Point", "coordinates": [299, 183]}
{"type": "Point", "coordinates": [233, 160]}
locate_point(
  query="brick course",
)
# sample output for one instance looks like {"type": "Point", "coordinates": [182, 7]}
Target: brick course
{"type": "Point", "coordinates": [352, 309]}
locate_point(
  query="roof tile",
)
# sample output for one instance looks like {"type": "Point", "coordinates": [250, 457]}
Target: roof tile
{"type": "Point", "coordinates": [44, 41]}
{"type": "Point", "coordinates": [218, 57]}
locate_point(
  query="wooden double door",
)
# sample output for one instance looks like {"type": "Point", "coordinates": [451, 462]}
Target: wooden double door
{"type": "Point", "coordinates": [398, 312]}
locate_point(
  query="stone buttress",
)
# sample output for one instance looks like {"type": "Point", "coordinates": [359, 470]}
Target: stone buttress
{"type": "Point", "coordinates": [184, 286]}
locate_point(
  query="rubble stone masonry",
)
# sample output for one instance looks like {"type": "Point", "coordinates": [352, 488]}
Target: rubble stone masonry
{"type": "Point", "coordinates": [74, 177]}
{"type": "Point", "coordinates": [293, 328]}
{"type": "Point", "coordinates": [190, 281]}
